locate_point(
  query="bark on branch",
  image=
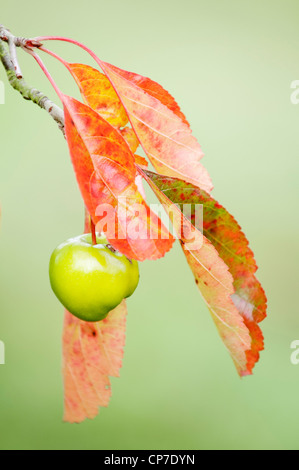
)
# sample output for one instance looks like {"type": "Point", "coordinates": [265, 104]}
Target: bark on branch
{"type": "Point", "coordinates": [8, 57]}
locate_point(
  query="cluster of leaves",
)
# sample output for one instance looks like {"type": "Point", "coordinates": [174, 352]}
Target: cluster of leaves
{"type": "Point", "coordinates": [120, 111]}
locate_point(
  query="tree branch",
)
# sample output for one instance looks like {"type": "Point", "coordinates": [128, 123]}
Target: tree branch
{"type": "Point", "coordinates": [8, 57]}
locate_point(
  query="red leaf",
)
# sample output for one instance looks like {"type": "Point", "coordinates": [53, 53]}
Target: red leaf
{"type": "Point", "coordinates": [211, 274]}
{"type": "Point", "coordinates": [225, 234]}
{"type": "Point", "coordinates": [105, 170]}
{"type": "Point", "coordinates": [160, 126]}
{"type": "Point", "coordinates": [92, 352]}
{"type": "Point", "coordinates": [216, 286]}
{"type": "Point", "coordinates": [153, 89]}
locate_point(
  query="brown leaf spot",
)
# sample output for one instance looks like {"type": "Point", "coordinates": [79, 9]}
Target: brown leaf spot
{"type": "Point", "coordinates": [89, 330]}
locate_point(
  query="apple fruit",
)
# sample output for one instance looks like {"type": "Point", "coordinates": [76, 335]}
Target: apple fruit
{"type": "Point", "coordinates": [91, 280]}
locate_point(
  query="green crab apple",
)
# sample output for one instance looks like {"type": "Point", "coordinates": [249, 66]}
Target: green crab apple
{"type": "Point", "coordinates": [90, 279]}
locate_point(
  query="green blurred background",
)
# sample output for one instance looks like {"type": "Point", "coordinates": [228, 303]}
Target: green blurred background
{"type": "Point", "coordinates": [230, 65]}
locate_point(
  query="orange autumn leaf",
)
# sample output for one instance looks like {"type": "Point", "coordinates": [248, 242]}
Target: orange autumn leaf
{"type": "Point", "coordinates": [222, 230]}
{"type": "Point", "coordinates": [140, 161]}
{"type": "Point", "coordinates": [105, 170]}
{"type": "Point", "coordinates": [92, 352]}
{"type": "Point", "coordinates": [160, 126]}
{"type": "Point", "coordinates": [130, 137]}
{"type": "Point", "coordinates": [98, 93]}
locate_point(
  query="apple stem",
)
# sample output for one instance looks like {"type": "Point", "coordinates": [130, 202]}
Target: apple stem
{"type": "Point", "coordinates": [93, 232]}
